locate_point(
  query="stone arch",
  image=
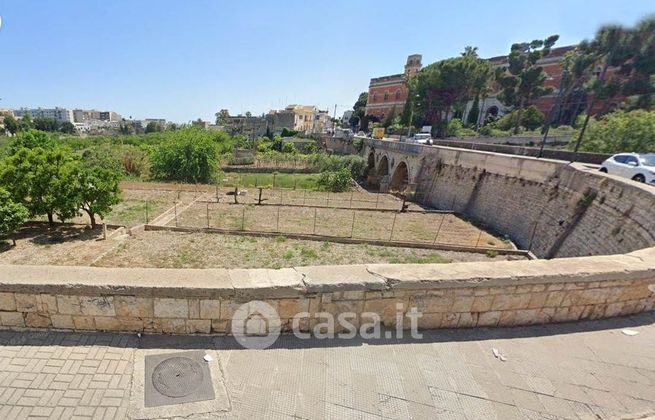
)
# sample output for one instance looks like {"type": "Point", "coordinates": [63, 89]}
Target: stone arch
{"type": "Point", "coordinates": [400, 178]}
{"type": "Point", "coordinates": [371, 161]}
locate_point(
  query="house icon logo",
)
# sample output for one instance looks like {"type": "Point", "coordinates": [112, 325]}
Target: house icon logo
{"type": "Point", "coordinates": [256, 325]}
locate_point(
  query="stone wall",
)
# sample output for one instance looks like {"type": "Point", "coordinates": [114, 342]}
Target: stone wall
{"type": "Point", "coordinates": [549, 207]}
{"type": "Point", "coordinates": [451, 295]}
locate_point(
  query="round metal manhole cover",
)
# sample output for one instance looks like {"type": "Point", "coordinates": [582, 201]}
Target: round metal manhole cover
{"type": "Point", "coordinates": [177, 377]}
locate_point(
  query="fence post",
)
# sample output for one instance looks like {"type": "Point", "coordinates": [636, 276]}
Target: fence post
{"type": "Point", "coordinates": [294, 182]}
{"type": "Point", "coordinates": [314, 230]}
{"type": "Point", "coordinates": [478, 241]}
{"type": "Point", "coordinates": [259, 200]}
{"type": "Point", "coordinates": [243, 218]}
{"type": "Point", "coordinates": [147, 219]}
{"type": "Point", "coordinates": [443, 217]}
{"type": "Point", "coordinates": [352, 228]}
{"type": "Point", "coordinates": [274, 175]}
{"type": "Point", "coordinates": [393, 225]}
{"type": "Point", "coordinates": [277, 226]}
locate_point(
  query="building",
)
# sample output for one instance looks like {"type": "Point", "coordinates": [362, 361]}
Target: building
{"type": "Point", "coordinates": [247, 125]}
{"type": "Point", "coordinates": [347, 115]}
{"type": "Point", "coordinates": [552, 68]}
{"type": "Point", "coordinates": [109, 116]}
{"type": "Point", "coordinates": [84, 115]}
{"type": "Point", "coordinates": [389, 93]}
{"type": "Point", "coordinates": [322, 122]}
{"type": "Point", "coordinates": [294, 117]}
{"type": "Point", "coordinates": [59, 114]}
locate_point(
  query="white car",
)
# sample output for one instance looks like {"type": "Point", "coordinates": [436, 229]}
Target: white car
{"type": "Point", "coordinates": [421, 138]}
{"type": "Point", "coordinates": [640, 168]}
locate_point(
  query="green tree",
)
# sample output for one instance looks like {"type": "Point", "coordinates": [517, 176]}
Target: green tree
{"type": "Point", "coordinates": [47, 124]}
{"type": "Point", "coordinates": [67, 127]}
{"type": "Point", "coordinates": [622, 131]}
{"type": "Point", "coordinates": [335, 181]}
{"type": "Point", "coordinates": [31, 139]}
{"type": "Point", "coordinates": [41, 179]}
{"type": "Point", "coordinates": [443, 88]}
{"type": "Point", "coordinates": [154, 127]}
{"type": "Point", "coordinates": [523, 80]}
{"type": "Point", "coordinates": [389, 119]}
{"type": "Point", "coordinates": [97, 191]}
{"type": "Point", "coordinates": [11, 124]}
{"type": "Point", "coordinates": [359, 117]}
{"type": "Point", "coordinates": [289, 147]}
{"type": "Point", "coordinates": [12, 215]}
{"type": "Point", "coordinates": [222, 117]}
{"type": "Point", "coordinates": [190, 157]}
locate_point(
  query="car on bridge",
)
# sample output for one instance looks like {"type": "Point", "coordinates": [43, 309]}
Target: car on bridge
{"type": "Point", "coordinates": [640, 168]}
{"type": "Point", "coordinates": [421, 138]}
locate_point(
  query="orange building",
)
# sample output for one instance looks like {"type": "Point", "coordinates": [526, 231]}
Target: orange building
{"type": "Point", "coordinates": [389, 93]}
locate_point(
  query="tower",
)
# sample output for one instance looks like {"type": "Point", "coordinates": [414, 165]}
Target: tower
{"type": "Point", "coordinates": [413, 65]}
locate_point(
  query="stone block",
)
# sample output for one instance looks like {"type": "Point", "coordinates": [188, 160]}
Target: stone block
{"type": "Point", "coordinates": [198, 326]}
{"type": "Point", "coordinates": [131, 324]}
{"type": "Point", "coordinates": [25, 302]}
{"type": "Point", "coordinates": [554, 299]}
{"type": "Point", "coordinates": [509, 302]}
{"type": "Point", "coordinates": [194, 308]}
{"type": "Point", "coordinates": [613, 309]}
{"type": "Point", "coordinates": [46, 304]}
{"type": "Point", "coordinates": [353, 295]}
{"type": "Point", "coordinates": [37, 320]}
{"type": "Point", "coordinates": [467, 320]}
{"type": "Point", "coordinates": [107, 323]}
{"type": "Point", "coordinates": [561, 314]}
{"type": "Point", "coordinates": [219, 326]}
{"type": "Point", "coordinates": [482, 303]}
{"type": "Point", "coordinates": [64, 322]}
{"type": "Point", "coordinates": [585, 297]}
{"type": "Point", "coordinates": [135, 307]}
{"type": "Point", "coordinates": [635, 292]}
{"type": "Point", "coordinates": [84, 322]}
{"type": "Point", "coordinates": [538, 300]}
{"type": "Point", "coordinates": [432, 304]}
{"type": "Point", "coordinates": [430, 321]}
{"type": "Point", "coordinates": [171, 308]}
{"type": "Point", "coordinates": [488, 319]}
{"type": "Point", "coordinates": [387, 309]}
{"type": "Point", "coordinates": [449, 320]}
{"type": "Point", "coordinates": [12, 319]}
{"type": "Point", "coordinates": [97, 305]}
{"type": "Point", "coordinates": [210, 309]}
{"type": "Point", "coordinates": [7, 302]}
{"type": "Point", "coordinates": [462, 304]}
{"type": "Point", "coordinates": [172, 325]}
{"type": "Point", "coordinates": [68, 305]}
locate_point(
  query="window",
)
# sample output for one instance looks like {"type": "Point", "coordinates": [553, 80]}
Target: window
{"type": "Point", "coordinates": [631, 159]}
{"type": "Point", "coordinates": [620, 158]}
{"type": "Point", "coordinates": [386, 95]}
{"type": "Point", "coordinates": [398, 95]}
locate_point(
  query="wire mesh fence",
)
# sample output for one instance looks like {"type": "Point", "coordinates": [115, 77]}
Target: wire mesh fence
{"type": "Point", "coordinates": [420, 228]}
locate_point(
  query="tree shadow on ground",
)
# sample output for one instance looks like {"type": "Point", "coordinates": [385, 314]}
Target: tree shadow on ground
{"type": "Point", "coordinates": [43, 234]}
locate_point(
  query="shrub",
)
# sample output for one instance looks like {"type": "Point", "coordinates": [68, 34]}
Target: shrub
{"type": "Point", "coordinates": [621, 131]}
{"type": "Point", "coordinates": [531, 120]}
{"type": "Point", "coordinates": [354, 163]}
{"type": "Point", "coordinates": [187, 159]}
{"type": "Point", "coordinates": [12, 215]}
{"type": "Point", "coordinates": [335, 181]}
{"type": "Point", "coordinates": [289, 147]}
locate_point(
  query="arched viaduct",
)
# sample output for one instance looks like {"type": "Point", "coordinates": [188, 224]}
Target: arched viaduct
{"type": "Point", "coordinates": [392, 169]}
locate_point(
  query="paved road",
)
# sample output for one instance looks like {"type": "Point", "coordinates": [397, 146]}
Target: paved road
{"type": "Point", "coordinates": [587, 370]}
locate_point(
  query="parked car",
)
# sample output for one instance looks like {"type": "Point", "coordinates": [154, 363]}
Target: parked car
{"type": "Point", "coordinates": [640, 168]}
{"type": "Point", "coordinates": [421, 138]}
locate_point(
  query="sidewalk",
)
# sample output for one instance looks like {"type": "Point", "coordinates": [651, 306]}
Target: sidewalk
{"type": "Point", "coordinates": [588, 370]}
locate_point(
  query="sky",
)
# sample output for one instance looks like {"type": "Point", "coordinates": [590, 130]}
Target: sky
{"type": "Point", "coordinates": [183, 60]}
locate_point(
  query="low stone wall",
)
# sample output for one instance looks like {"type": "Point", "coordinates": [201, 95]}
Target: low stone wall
{"type": "Point", "coordinates": [450, 295]}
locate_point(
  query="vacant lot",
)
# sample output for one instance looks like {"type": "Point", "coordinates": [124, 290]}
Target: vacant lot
{"type": "Point", "coordinates": [209, 250]}
{"type": "Point", "coordinates": [413, 227]}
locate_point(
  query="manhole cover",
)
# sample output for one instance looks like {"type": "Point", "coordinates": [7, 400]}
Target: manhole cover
{"type": "Point", "coordinates": [177, 377]}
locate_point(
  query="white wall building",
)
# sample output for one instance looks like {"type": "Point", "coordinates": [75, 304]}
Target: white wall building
{"type": "Point", "coordinates": [59, 114]}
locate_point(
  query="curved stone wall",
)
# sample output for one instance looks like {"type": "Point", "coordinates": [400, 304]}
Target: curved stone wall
{"type": "Point", "coordinates": [550, 207]}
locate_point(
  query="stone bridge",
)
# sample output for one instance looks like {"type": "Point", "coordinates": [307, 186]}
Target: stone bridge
{"type": "Point", "coordinates": [550, 207]}
{"type": "Point", "coordinates": [392, 166]}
